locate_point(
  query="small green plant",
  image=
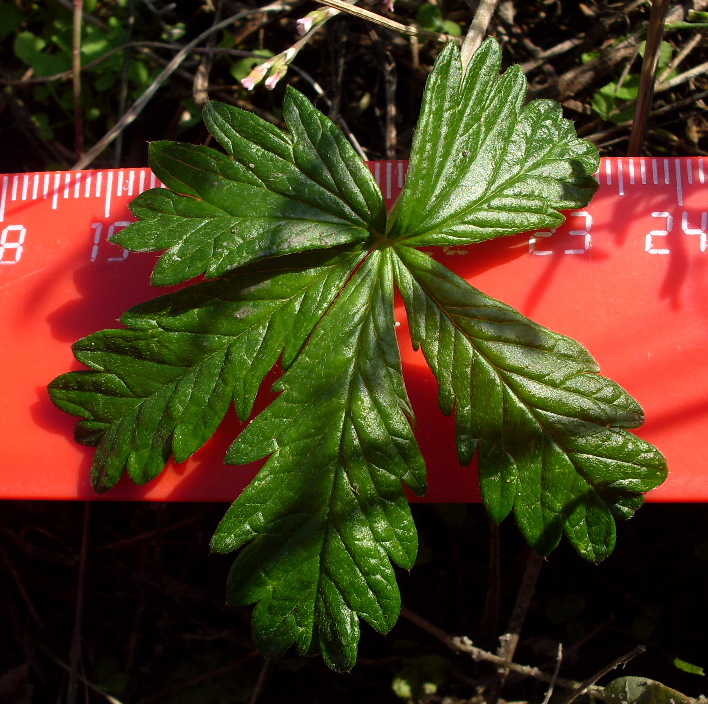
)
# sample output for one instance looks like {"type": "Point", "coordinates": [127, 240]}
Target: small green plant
{"type": "Point", "coordinates": [43, 43]}
{"type": "Point", "coordinates": [305, 260]}
{"type": "Point", "coordinates": [430, 17]}
{"type": "Point", "coordinates": [615, 101]}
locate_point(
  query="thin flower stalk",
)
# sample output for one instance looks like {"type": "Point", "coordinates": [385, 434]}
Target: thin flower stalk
{"type": "Point", "coordinates": [275, 68]}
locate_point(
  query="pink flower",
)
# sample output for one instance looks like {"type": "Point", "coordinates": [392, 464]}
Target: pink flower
{"type": "Point", "coordinates": [274, 77]}
{"type": "Point", "coordinates": [315, 18]}
{"type": "Point", "coordinates": [304, 25]}
{"type": "Point", "coordinates": [257, 75]}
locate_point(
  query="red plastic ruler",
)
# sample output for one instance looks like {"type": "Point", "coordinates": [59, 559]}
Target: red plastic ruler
{"type": "Point", "coordinates": [626, 276]}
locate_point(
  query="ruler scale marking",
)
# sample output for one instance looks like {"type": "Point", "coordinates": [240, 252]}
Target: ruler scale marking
{"type": "Point", "coordinates": [109, 194]}
{"type": "Point", "coordinates": [55, 191]}
{"type": "Point", "coordinates": [3, 197]}
{"type": "Point", "coordinates": [679, 184]}
{"type": "Point", "coordinates": [677, 217]}
{"type": "Point", "coordinates": [393, 178]}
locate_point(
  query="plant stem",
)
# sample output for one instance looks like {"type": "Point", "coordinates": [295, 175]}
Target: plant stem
{"type": "Point", "coordinates": [621, 660]}
{"type": "Point", "coordinates": [648, 74]}
{"type": "Point", "coordinates": [510, 639]}
{"type": "Point", "coordinates": [76, 67]}
{"type": "Point", "coordinates": [477, 30]}
{"type": "Point", "coordinates": [123, 93]}
{"type": "Point", "coordinates": [492, 602]}
{"type": "Point", "coordinates": [75, 652]}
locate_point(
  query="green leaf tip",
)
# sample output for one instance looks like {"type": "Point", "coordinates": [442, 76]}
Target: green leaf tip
{"type": "Point", "coordinates": [327, 513]}
{"type": "Point", "coordinates": [291, 228]}
{"type": "Point", "coordinates": [548, 430]}
{"type": "Point", "coordinates": [272, 194]}
{"type": "Point", "coordinates": [162, 385]}
{"type": "Point", "coordinates": [484, 165]}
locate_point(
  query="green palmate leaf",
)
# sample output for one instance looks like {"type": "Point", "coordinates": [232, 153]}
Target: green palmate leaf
{"type": "Point", "coordinates": [322, 523]}
{"type": "Point", "coordinates": [162, 386]}
{"type": "Point", "coordinates": [327, 512]}
{"type": "Point", "coordinates": [549, 430]}
{"type": "Point", "coordinates": [274, 194]}
{"type": "Point", "coordinates": [482, 164]}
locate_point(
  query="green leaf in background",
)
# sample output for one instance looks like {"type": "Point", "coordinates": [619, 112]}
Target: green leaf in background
{"type": "Point", "coordinates": [327, 512]}
{"type": "Point", "coordinates": [483, 164]}
{"type": "Point", "coordinates": [430, 17]}
{"type": "Point", "coordinates": [29, 48]}
{"type": "Point", "coordinates": [640, 690]}
{"type": "Point", "coordinates": [421, 676]}
{"type": "Point", "coordinates": [688, 667]}
{"type": "Point", "coordinates": [615, 100]}
{"type": "Point", "coordinates": [325, 518]}
{"type": "Point", "coordinates": [10, 19]}
{"type": "Point", "coordinates": [241, 68]}
{"type": "Point", "coordinates": [273, 194]}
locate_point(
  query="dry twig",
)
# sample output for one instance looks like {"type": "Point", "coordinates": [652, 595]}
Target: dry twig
{"type": "Point", "coordinates": [682, 53]}
{"type": "Point", "coordinates": [559, 660]}
{"type": "Point", "coordinates": [75, 652]}
{"type": "Point", "coordinates": [590, 681]}
{"type": "Point", "coordinates": [259, 682]}
{"type": "Point", "coordinates": [684, 77]}
{"type": "Point", "coordinates": [388, 67]}
{"type": "Point", "coordinates": [510, 640]}
{"type": "Point", "coordinates": [465, 645]}
{"type": "Point", "coordinates": [382, 21]}
{"type": "Point", "coordinates": [462, 644]}
{"type": "Point", "coordinates": [90, 685]}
